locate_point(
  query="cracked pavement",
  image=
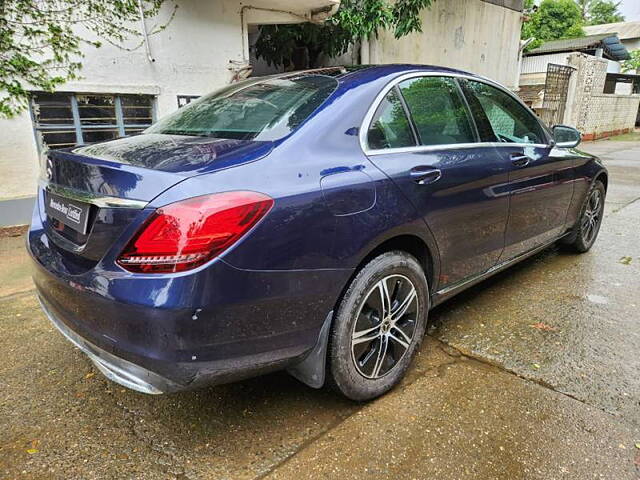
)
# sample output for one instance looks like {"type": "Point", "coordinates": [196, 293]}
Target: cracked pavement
{"type": "Point", "coordinates": [533, 374]}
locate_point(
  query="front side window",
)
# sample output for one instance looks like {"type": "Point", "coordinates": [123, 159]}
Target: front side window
{"type": "Point", "coordinates": [264, 110]}
{"type": "Point", "coordinates": [438, 110]}
{"type": "Point", "coordinates": [68, 119]}
{"type": "Point", "coordinates": [511, 122]}
{"type": "Point", "coordinates": [390, 126]}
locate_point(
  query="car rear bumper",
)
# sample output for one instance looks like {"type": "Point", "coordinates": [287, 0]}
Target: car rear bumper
{"type": "Point", "coordinates": [114, 368]}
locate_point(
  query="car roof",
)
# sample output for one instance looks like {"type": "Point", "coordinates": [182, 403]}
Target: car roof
{"type": "Point", "coordinates": [347, 75]}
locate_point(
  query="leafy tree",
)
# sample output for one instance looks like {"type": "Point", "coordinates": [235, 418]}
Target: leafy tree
{"type": "Point", "coordinates": [604, 11]}
{"type": "Point", "coordinates": [529, 7]}
{"type": "Point", "coordinates": [585, 6]}
{"type": "Point", "coordinates": [554, 19]}
{"type": "Point", "coordinates": [41, 44]}
{"type": "Point", "coordinates": [354, 20]}
{"type": "Point", "coordinates": [633, 64]}
{"type": "Point", "coordinates": [597, 12]}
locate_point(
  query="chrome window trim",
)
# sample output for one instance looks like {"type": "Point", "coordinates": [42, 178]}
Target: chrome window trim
{"type": "Point", "coordinates": [366, 122]}
{"type": "Point", "coordinates": [452, 146]}
{"type": "Point", "coordinates": [97, 199]}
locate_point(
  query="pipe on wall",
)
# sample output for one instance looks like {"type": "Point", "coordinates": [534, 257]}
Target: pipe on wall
{"type": "Point", "coordinates": [143, 25]}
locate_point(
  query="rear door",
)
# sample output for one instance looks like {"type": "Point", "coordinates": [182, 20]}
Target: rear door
{"type": "Point", "coordinates": [423, 137]}
{"type": "Point", "coordinates": [540, 181]}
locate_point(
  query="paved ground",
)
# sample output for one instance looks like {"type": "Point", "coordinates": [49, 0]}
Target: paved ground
{"type": "Point", "coordinates": [534, 374]}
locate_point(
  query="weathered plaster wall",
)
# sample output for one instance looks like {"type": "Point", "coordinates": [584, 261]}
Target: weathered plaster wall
{"type": "Point", "coordinates": [631, 44]}
{"type": "Point", "coordinates": [468, 34]}
{"type": "Point", "coordinates": [592, 112]}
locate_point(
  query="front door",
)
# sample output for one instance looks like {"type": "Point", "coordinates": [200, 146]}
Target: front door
{"type": "Point", "coordinates": [423, 137]}
{"type": "Point", "coordinates": [541, 178]}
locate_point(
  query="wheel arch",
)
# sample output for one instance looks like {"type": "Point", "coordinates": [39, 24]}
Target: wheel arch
{"type": "Point", "coordinates": [312, 369]}
{"type": "Point", "coordinates": [604, 178]}
{"type": "Point", "coordinates": [409, 242]}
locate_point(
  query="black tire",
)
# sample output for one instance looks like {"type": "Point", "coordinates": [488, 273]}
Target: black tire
{"type": "Point", "coordinates": [360, 307]}
{"type": "Point", "coordinates": [585, 231]}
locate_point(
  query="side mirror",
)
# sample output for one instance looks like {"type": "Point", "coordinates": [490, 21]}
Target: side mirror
{"type": "Point", "coordinates": [566, 137]}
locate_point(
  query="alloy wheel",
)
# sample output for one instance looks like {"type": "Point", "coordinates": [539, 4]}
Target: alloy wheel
{"type": "Point", "coordinates": [592, 216]}
{"type": "Point", "coordinates": [385, 326]}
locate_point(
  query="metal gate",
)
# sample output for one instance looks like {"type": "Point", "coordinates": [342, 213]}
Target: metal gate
{"type": "Point", "coordinates": [555, 93]}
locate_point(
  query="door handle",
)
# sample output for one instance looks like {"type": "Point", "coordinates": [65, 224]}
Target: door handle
{"type": "Point", "coordinates": [424, 175]}
{"type": "Point", "coordinates": [520, 160]}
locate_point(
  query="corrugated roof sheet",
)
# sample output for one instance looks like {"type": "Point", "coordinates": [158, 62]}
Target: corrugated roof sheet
{"type": "Point", "coordinates": [610, 42]}
{"type": "Point", "coordinates": [625, 30]}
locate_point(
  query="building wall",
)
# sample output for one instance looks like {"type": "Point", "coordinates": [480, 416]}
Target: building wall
{"type": "Point", "coordinates": [631, 44]}
{"type": "Point", "coordinates": [539, 63]}
{"type": "Point", "coordinates": [592, 112]}
{"type": "Point", "coordinates": [471, 35]}
{"type": "Point", "coordinates": [609, 114]}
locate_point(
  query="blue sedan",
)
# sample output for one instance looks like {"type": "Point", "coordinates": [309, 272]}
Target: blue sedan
{"type": "Point", "coordinates": [306, 221]}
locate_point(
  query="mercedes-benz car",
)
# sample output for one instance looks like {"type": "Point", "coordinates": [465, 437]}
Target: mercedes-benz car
{"type": "Point", "coordinates": [306, 221]}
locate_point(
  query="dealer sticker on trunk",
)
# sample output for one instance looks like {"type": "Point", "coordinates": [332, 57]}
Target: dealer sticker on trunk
{"type": "Point", "coordinates": [72, 214]}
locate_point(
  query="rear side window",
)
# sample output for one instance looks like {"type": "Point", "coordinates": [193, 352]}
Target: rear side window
{"type": "Point", "coordinates": [438, 111]}
{"type": "Point", "coordinates": [511, 122]}
{"type": "Point", "coordinates": [263, 110]}
{"type": "Point", "coordinates": [390, 126]}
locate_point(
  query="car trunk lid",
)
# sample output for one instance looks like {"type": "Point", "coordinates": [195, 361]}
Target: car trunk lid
{"type": "Point", "coordinates": [91, 194]}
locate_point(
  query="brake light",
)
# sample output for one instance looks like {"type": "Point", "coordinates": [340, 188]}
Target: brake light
{"type": "Point", "coordinates": [186, 234]}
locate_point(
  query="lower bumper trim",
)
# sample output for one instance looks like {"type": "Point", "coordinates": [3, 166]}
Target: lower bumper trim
{"type": "Point", "coordinates": [114, 368]}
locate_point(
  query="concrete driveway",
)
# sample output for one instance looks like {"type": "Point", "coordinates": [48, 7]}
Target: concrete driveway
{"type": "Point", "coordinates": [534, 374]}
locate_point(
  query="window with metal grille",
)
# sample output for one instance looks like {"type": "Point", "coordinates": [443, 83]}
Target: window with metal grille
{"type": "Point", "coordinates": [68, 119]}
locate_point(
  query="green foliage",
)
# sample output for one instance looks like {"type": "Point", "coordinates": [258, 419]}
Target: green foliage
{"type": "Point", "coordinates": [278, 44]}
{"type": "Point", "coordinates": [529, 7]}
{"type": "Point", "coordinates": [584, 5]}
{"type": "Point", "coordinates": [604, 11]}
{"type": "Point", "coordinates": [554, 19]}
{"type": "Point", "coordinates": [406, 16]}
{"type": "Point", "coordinates": [597, 12]}
{"type": "Point", "coordinates": [633, 64]}
{"type": "Point", "coordinates": [40, 47]}
{"type": "Point", "coordinates": [354, 20]}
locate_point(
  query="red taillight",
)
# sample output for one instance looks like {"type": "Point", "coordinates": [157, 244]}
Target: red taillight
{"type": "Point", "coordinates": [184, 235]}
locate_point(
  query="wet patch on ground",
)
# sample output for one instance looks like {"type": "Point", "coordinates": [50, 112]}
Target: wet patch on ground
{"type": "Point", "coordinates": [473, 421]}
{"type": "Point", "coordinates": [568, 321]}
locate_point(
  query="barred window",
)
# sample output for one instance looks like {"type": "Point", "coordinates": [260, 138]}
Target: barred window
{"type": "Point", "coordinates": [68, 119]}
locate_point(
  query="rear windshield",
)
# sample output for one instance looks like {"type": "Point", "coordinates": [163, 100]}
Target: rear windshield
{"type": "Point", "coordinates": [266, 110]}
